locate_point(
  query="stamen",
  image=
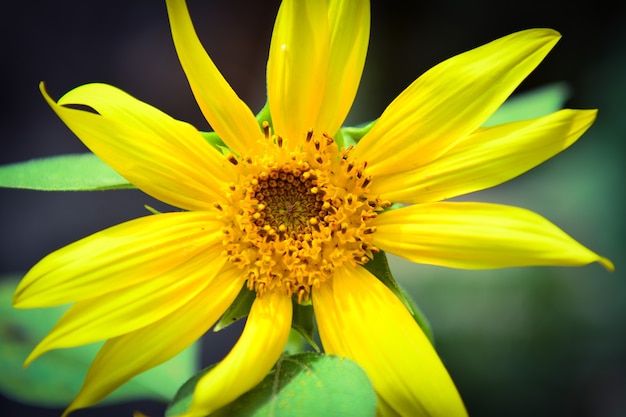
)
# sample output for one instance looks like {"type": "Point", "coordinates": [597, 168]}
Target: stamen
{"type": "Point", "coordinates": [232, 159]}
{"type": "Point", "coordinates": [266, 129]}
{"type": "Point", "coordinates": [294, 216]}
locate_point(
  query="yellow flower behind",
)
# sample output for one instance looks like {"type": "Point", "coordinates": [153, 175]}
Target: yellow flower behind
{"type": "Point", "coordinates": [294, 216]}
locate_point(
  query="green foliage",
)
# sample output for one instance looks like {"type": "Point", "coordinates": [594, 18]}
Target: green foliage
{"type": "Point", "coordinates": [305, 385]}
{"type": "Point", "coordinates": [54, 379]}
{"type": "Point", "coordinates": [303, 323]}
{"type": "Point", "coordinates": [80, 172]}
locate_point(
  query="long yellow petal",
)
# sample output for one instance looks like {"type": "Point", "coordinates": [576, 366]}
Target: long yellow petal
{"type": "Point", "coordinates": [451, 100]}
{"type": "Point", "coordinates": [297, 67]}
{"type": "Point", "coordinates": [349, 37]}
{"type": "Point", "coordinates": [122, 358]}
{"type": "Point", "coordinates": [227, 114]}
{"type": "Point", "coordinates": [116, 258]}
{"type": "Point", "coordinates": [360, 318]}
{"type": "Point", "coordinates": [132, 308]}
{"type": "Point", "coordinates": [478, 236]}
{"type": "Point", "coordinates": [257, 350]}
{"type": "Point", "coordinates": [164, 157]}
{"type": "Point", "coordinates": [486, 158]}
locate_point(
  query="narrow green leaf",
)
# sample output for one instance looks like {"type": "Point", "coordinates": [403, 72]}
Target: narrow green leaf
{"type": "Point", "coordinates": [304, 385]}
{"type": "Point", "coordinates": [239, 309]}
{"type": "Point", "coordinates": [54, 379]}
{"type": "Point", "coordinates": [79, 172]}
{"type": "Point", "coordinates": [379, 267]}
{"type": "Point", "coordinates": [531, 104]}
{"type": "Point", "coordinates": [303, 323]}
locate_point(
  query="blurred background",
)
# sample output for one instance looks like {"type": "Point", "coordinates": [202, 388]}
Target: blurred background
{"type": "Point", "coordinates": [517, 342]}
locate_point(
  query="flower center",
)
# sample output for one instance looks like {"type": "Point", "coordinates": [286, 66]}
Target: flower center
{"type": "Point", "coordinates": [297, 213]}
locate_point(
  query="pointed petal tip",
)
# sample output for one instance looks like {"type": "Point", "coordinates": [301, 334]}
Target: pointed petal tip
{"type": "Point", "coordinates": [36, 353]}
{"type": "Point", "coordinates": [547, 33]}
{"type": "Point", "coordinates": [16, 302]}
{"type": "Point", "coordinates": [606, 263]}
{"type": "Point", "coordinates": [20, 300]}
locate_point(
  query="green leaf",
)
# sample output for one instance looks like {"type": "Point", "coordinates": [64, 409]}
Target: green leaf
{"type": "Point", "coordinates": [303, 323]}
{"type": "Point", "coordinates": [79, 172]}
{"type": "Point", "coordinates": [54, 379]}
{"type": "Point", "coordinates": [379, 267]}
{"type": "Point", "coordinates": [304, 385]}
{"type": "Point", "coordinates": [531, 104]}
{"type": "Point", "coordinates": [239, 309]}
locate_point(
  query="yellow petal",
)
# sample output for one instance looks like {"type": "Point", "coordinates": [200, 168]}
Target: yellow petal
{"type": "Point", "coordinates": [126, 356]}
{"type": "Point", "coordinates": [164, 157]}
{"type": "Point", "coordinates": [358, 317]}
{"type": "Point", "coordinates": [230, 117]}
{"type": "Point", "coordinates": [297, 67]}
{"type": "Point", "coordinates": [117, 258]}
{"type": "Point", "coordinates": [478, 236]}
{"type": "Point", "coordinates": [451, 100]}
{"type": "Point", "coordinates": [131, 308]}
{"type": "Point", "coordinates": [349, 37]}
{"type": "Point", "coordinates": [255, 353]}
{"type": "Point", "coordinates": [487, 157]}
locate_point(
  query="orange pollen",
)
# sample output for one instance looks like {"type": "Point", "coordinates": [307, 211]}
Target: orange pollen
{"type": "Point", "coordinates": [298, 211]}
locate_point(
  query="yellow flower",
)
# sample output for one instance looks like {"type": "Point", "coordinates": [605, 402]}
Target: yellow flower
{"type": "Point", "coordinates": [292, 215]}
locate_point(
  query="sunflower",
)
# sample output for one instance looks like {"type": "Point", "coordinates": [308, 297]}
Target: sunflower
{"type": "Point", "coordinates": [290, 212]}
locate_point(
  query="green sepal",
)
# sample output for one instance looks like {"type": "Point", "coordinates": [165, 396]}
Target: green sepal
{"type": "Point", "coordinates": [340, 140]}
{"type": "Point", "coordinates": [265, 116]}
{"type": "Point", "coordinates": [239, 309]}
{"type": "Point", "coordinates": [305, 385]}
{"type": "Point", "coordinates": [215, 141]}
{"type": "Point", "coordinates": [531, 104]}
{"type": "Point", "coordinates": [379, 267]}
{"type": "Point", "coordinates": [54, 379]}
{"type": "Point", "coordinates": [303, 323]}
{"type": "Point", "coordinates": [77, 172]}
{"type": "Point", "coordinates": [352, 135]}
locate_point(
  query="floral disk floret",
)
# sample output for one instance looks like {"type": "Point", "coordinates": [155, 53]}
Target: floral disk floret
{"type": "Point", "coordinates": [293, 214]}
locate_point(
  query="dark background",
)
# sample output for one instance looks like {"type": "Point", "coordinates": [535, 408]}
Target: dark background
{"type": "Point", "coordinates": [518, 342]}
